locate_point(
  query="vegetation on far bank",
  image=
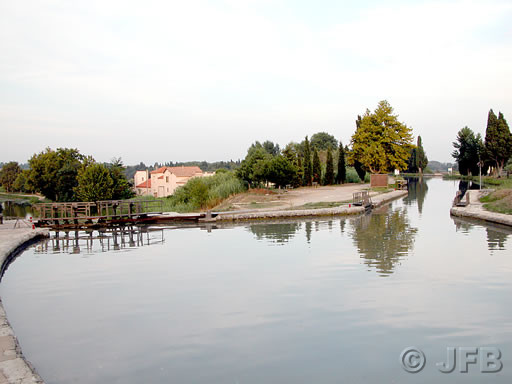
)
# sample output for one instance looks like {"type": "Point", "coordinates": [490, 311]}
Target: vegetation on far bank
{"type": "Point", "coordinates": [65, 174]}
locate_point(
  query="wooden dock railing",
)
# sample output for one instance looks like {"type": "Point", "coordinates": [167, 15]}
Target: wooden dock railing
{"type": "Point", "coordinates": [98, 210]}
{"type": "Point", "coordinates": [362, 199]}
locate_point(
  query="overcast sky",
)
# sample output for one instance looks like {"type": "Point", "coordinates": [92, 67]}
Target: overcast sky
{"type": "Point", "coordinates": [201, 80]}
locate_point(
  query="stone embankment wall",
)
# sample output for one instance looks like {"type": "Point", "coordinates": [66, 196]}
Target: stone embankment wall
{"type": "Point", "coordinates": [335, 211]}
{"type": "Point", "coordinates": [14, 368]}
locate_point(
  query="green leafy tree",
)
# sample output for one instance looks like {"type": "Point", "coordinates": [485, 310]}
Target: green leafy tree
{"type": "Point", "coordinates": [381, 143]}
{"type": "Point", "coordinates": [469, 150]}
{"type": "Point", "coordinates": [329, 169]}
{"type": "Point", "coordinates": [268, 146]}
{"type": "Point", "coordinates": [21, 183]}
{"type": "Point", "coordinates": [317, 167]}
{"type": "Point", "coordinates": [253, 168]}
{"type": "Point", "coordinates": [271, 148]}
{"type": "Point", "coordinates": [308, 170]}
{"type": "Point", "coordinates": [421, 157]}
{"type": "Point", "coordinates": [323, 141]}
{"type": "Point", "coordinates": [498, 141]}
{"type": "Point", "coordinates": [121, 187]}
{"type": "Point", "coordinates": [289, 152]}
{"type": "Point", "coordinates": [281, 171]}
{"type": "Point", "coordinates": [8, 175]}
{"type": "Point", "coordinates": [341, 176]}
{"type": "Point", "coordinates": [54, 173]}
{"type": "Point", "coordinates": [94, 182]}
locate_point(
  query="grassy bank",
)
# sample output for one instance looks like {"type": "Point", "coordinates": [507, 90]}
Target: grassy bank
{"type": "Point", "coordinates": [499, 201]}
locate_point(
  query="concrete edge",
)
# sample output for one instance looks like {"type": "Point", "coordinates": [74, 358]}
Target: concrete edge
{"type": "Point", "coordinates": [14, 367]}
{"type": "Point", "coordinates": [385, 198]}
{"type": "Point", "coordinates": [476, 210]}
{"type": "Point", "coordinates": [378, 201]}
{"type": "Point", "coordinates": [492, 217]}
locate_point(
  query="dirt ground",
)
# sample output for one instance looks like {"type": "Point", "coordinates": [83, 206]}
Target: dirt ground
{"type": "Point", "coordinates": [290, 199]}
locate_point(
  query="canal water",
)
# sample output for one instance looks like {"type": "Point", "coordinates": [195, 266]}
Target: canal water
{"type": "Point", "coordinates": [313, 301]}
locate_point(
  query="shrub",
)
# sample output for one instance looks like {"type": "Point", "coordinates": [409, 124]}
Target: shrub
{"type": "Point", "coordinates": [205, 192]}
{"type": "Point", "coordinates": [352, 176]}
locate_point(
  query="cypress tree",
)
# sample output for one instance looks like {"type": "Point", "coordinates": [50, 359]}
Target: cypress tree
{"type": "Point", "coordinates": [308, 172]}
{"type": "Point", "coordinates": [421, 157]}
{"type": "Point", "coordinates": [329, 169]}
{"type": "Point", "coordinates": [412, 164]}
{"type": "Point", "coordinates": [498, 140]}
{"type": "Point", "coordinates": [317, 167]}
{"type": "Point", "coordinates": [300, 171]}
{"type": "Point", "coordinates": [341, 176]}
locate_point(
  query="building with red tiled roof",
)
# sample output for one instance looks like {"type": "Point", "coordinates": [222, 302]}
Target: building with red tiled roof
{"type": "Point", "coordinates": [163, 181]}
{"type": "Point", "coordinates": [144, 184]}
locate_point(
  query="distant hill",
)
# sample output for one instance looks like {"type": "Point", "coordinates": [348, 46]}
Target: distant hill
{"type": "Point", "coordinates": [437, 166]}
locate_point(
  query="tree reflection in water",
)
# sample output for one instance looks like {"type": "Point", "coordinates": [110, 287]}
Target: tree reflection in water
{"type": "Point", "coordinates": [383, 239]}
{"type": "Point", "coordinates": [418, 189]}
{"type": "Point", "coordinates": [496, 238]}
{"type": "Point", "coordinates": [308, 231]}
{"type": "Point", "coordinates": [496, 234]}
{"type": "Point", "coordinates": [279, 233]}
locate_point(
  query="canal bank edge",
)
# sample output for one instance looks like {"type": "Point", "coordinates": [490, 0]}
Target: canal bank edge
{"type": "Point", "coordinates": [14, 368]}
{"type": "Point", "coordinates": [476, 210]}
{"type": "Point", "coordinates": [335, 211]}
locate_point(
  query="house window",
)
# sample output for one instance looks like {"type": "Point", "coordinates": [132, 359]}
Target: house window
{"type": "Point", "coordinates": [167, 180]}
{"type": "Point", "coordinates": [167, 189]}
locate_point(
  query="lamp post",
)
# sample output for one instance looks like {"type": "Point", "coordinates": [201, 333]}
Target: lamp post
{"type": "Point", "coordinates": [480, 171]}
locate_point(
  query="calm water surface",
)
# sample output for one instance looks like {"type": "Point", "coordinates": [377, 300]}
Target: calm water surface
{"type": "Point", "coordinates": [322, 301]}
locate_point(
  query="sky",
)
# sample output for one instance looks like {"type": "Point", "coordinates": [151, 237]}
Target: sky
{"type": "Point", "coordinates": [158, 81]}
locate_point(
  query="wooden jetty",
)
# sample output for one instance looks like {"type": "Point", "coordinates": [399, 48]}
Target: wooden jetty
{"type": "Point", "coordinates": [82, 215]}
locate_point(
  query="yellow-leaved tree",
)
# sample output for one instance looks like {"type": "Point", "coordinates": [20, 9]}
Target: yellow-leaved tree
{"type": "Point", "coordinates": [381, 143]}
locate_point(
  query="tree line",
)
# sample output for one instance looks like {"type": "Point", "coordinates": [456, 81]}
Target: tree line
{"type": "Point", "coordinates": [491, 153]}
{"type": "Point", "coordinates": [380, 144]}
{"type": "Point", "coordinates": [297, 164]}
{"type": "Point", "coordinates": [65, 174]}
